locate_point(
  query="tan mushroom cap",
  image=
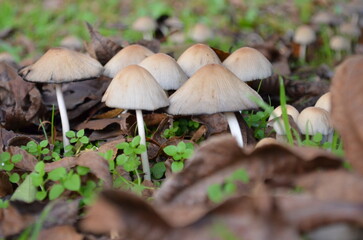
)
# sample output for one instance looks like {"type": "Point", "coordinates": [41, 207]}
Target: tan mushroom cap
{"type": "Point", "coordinates": [135, 88]}
{"type": "Point", "coordinates": [304, 35]}
{"type": "Point", "coordinates": [129, 55]}
{"type": "Point", "coordinates": [266, 141]}
{"type": "Point", "coordinates": [313, 120]}
{"type": "Point", "coordinates": [339, 43]}
{"type": "Point", "coordinates": [276, 121]}
{"type": "Point", "coordinates": [248, 64]}
{"type": "Point", "coordinates": [212, 89]}
{"type": "Point", "coordinates": [324, 102]}
{"type": "Point", "coordinates": [197, 56]}
{"type": "Point", "coordinates": [200, 33]}
{"type": "Point", "coordinates": [60, 65]}
{"type": "Point", "coordinates": [165, 70]}
{"type": "Point", "coordinates": [144, 24]}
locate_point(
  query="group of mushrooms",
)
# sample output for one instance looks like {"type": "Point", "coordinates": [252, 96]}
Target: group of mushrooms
{"type": "Point", "coordinates": [141, 79]}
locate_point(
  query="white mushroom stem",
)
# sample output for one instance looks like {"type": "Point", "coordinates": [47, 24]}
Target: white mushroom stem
{"type": "Point", "coordinates": [144, 157]}
{"type": "Point", "coordinates": [234, 127]}
{"type": "Point", "coordinates": [63, 113]}
{"type": "Point", "coordinates": [302, 52]}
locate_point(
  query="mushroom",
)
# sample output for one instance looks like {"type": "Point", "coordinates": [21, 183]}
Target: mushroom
{"type": "Point", "coordinates": [339, 44]}
{"type": "Point", "coordinates": [266, 141]}
{"type": "Point", "coordinates": [195, 57]}
{"type": "Point", "coordinates": [61, 65]}
{"type": "Point", "coordinates": [165, 70]}
{"type": "Point", "coordinates": [276, 122]}
{"type": "Point", "coordinates": [213, 89]}
{"type": "Point", "coordinates": [145, 25]}
{"type": "Point", "coordinates": [313, 120]}
{"type": "Point", "coordinates": [324, 102]}
{"type": "Point", "coordinates": [304, 35]}
{"type": "Point", "coordinates": [200, 33]}
{"type": "Point", "coordinates": [248, 64]}
{"type": "Point", "coordinates": [135, 88]}
{"type": "Point", "coordinates": [132, 54]}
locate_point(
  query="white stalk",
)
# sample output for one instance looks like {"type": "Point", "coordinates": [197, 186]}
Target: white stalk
{"type": "Point", "coordinates": [302, 52]}
{"type": "Point", "coordinates": [234, 127]}
{"type": "Point", "coordinates": [63, 113]}
{"type": "Point", "coordinates": [144, 157]}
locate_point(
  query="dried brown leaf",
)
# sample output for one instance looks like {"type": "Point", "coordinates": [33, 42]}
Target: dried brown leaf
{"type": "Point", "coordinates": [6, 187]}
{"type": "Point", "coordinates": [332, 186]}
{"type": "Point", "coordinates": [97, 165]}
{"type": "Point", "coordinates": [219, 157]}
{"type": "Point", "coordinates": [216, 123]}
{"type": "Point", "coordinates": [103, 47]}
{"type": "Point", "coordinates": [28, 161]}
{"type": "Point", "coordinates": [238, 217]}
{"type": "Point", "coordinates": [64, 232]}
{"type": "Point", "coordinates": [12, 221]}
{"type": "Point", "coordinates": [347, 99]}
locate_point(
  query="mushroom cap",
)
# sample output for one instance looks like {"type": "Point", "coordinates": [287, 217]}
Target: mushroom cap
{"type": "Point", "coordinates": [72, 42]}
{"type": "Point", "coordinates": [248, 64]}
{"type": "Point", "coordinates": [212, 89]}
{"type": "Point", "coordinates": [195, 57]}
{"type": "Point", "coordinates": [60, 65]}
{"type": "Point", "coordinates": [291, 110]}
{"type": "Point", "coordinates": [132, 54]}
{"type": "Point", "coordinates": [314, 120]}
{"type": "Point", "coordinates": [304, 35]}
{"type": "Point", "coordinates": [144, 24]}
{"type": "Point", "coordinates": [276, 120]}
{"type": "Point", "coordinates": [165, 70]}
{"type": "Point", "coordinates": [174, 23]}
{"type": "Point", "coordinates": [324, 102]}
{"type": "Point", "coordinates": [324, 17]}
{"type": "Point", "coordinates": [339, 43]}
{"type": "Point", "coordinates": [135, 88]}
{"type": "Point", "coordinates": [200, 33]}
{"type": "Point", "coordinates": [266, 141]}
{"type": "Point", "coordinates": [349, 29]}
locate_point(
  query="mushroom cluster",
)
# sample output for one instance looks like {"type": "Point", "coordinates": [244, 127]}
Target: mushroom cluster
{"type": "Point", "coordinates": [309, 121]}
{"type": "Point", "coordinates": [140, 79]}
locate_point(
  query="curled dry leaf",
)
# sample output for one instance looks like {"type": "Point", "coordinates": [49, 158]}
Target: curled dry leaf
{"type": "Point", "coordinates": [102, 48]}
{"type": "Point", "coordinates": [308, 213]}
{"type": "Point", "coordinates": [332, 185]}
{"type": "Point", "coordinates": [12, 221]}
{"type": "Point", "coordinates": [64, 232]}
{"type": "Point", "coordinates": [238, 217]}
{"type": "Point", "coordinates": [28, 161]}
{"type": "Point", "coordinates": [220, 156]}
{"type": "Point", "coordinates": [97, 165]}
{"type": "Point", "coordinates": [20, 101]}
{"type": "Point", "coordinates": [347, 99]}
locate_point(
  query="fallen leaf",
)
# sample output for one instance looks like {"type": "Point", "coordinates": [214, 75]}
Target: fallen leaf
{"type": "Point", "coordinates": [12, 221]}
{"type": "Point", "coordinates": [347, 99]}
{"type": "Point", "coordinates": [64, 232]}
{"type": "Point", "coordinates": [220, 156]}
{"type": "Point", "coordinates": [97, 165]}
{"type": "Point", "coordinates": [104, 48]}
{"type": "Point", "coordinates": [216, 123]}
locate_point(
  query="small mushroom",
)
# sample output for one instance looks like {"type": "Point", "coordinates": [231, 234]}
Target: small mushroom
{"type": "Point", "coordinates": [278, 125]}
{"type": "Point", "coordinates": [339, 44]}
{"type": "Point", "coordinates": [165, 70]}
{"type": "Point", "coordinates": [213, 89]}
{"type": "Point", "coordinates": [200, 33]}
{"type": "Point", "coordinates": [313, 120]}
{"type": "Point", "coordinates": [132, 54]}
{"type": "Point", "coordinates": [145, 25]}
{"type": "Point", "coordinates": [248, 64]}
{"type": "Point", "coordinates": [135, 88]}
{"type": "Point", "coordinates": [195, 57]}
{"type": "Point", "coordinates": [324, 102]}
{"type": "Point", "coordinates": [304, 35]}
{"type": "Point", "coordinates": [61, 65]}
